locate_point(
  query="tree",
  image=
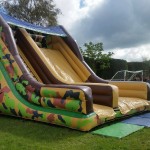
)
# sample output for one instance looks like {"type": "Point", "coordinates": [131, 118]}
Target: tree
{"type": "Point", "coordinates": [95, 57]}
{"type": "Point", "coordinates": [39, 12]}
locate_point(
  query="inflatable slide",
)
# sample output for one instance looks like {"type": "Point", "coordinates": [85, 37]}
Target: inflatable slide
{"type": "Point", "coordinates": [43, 77]}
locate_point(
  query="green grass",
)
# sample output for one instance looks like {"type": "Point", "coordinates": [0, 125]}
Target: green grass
{"type": "Point", "coordinates": [18, 134]}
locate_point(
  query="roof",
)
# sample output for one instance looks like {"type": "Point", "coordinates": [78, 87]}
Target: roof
{"type": "Point", "coordinates": [53, 30]}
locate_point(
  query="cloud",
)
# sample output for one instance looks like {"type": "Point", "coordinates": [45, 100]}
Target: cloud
{"type": "Point", "coordinates": [74, 11]}
{"type": "Point", "coordinates": [121, 25]}
{"type": "Point", "coordinates": [118, 24]}
{"type": "Point", "coordinates": [139, 53]}
{"type": "Point", "coordinates": [69, 9]}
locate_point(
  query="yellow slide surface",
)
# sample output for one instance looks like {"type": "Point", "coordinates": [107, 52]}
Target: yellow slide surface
{"type": "Point", "coordinates": [29, 66]}
{"type": "Point", "coordinates": [60, 66]}
{"type": "Point", "coordinates": [129, 99]}
{"type": "Point", "coordinates": [68, 69]}
{"type": "Point", "coordinates": [44, 78]}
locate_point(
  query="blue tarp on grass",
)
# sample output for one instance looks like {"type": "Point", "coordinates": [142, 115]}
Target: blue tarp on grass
{"type": "Point", "coordinates": [146, 115]}
{"type": "Point", "coordinates": [141, 121]}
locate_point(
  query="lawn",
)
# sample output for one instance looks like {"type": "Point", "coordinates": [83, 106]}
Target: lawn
{"type": "Point", "coordinates": [18, 134]}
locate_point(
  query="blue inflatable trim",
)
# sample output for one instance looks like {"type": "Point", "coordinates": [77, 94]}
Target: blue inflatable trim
{"type": "Point", "coordinates": [53, 30]}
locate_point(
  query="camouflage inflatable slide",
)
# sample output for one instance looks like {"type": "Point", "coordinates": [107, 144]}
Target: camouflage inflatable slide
{"type": "Point", "coordinates": [43, 77]}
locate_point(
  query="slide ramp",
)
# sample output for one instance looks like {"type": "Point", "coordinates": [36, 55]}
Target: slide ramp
{"type": "Point", "coordinates": [76, 102]}
{"type": "Point", "coordinates": [62, 64]}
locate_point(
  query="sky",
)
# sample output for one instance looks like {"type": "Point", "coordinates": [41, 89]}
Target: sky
{"type": "Point", "coordinates": [123, 26]}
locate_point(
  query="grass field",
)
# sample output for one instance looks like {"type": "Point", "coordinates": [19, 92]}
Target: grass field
{"type": "Point", "coordinates": [18, 134]}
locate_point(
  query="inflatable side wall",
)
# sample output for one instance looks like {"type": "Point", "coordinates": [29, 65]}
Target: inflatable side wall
{"type": "Point", "coordinates": [22, 96]}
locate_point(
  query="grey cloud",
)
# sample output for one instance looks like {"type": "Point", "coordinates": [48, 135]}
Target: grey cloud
{"type": "Point", "coordinates": [117, 23]}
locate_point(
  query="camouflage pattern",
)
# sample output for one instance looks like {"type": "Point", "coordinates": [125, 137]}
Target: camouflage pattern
{"type": "Point", "coordinates": [49, 41]}
{"type": "Point", "coordinates": [53, 97]}
{"type": "Point", "coordinates": [12, 104]}
{"type": "Point", "coordinates": [65, 107]}
{"type": "Point", "coordinates": [73, 100]}
{"type": "Point", "coordinates": [17, 100]}
{"type": "Point", "coordinates": [42, 41]}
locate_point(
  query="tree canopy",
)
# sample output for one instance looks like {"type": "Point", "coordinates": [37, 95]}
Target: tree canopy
{"type": "Point", "coordinates": [93, 53]}
{"type": "Point", "coordinates": [39, 12]}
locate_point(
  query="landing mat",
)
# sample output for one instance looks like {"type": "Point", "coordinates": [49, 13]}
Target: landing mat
{"type": "Point", "coordinates": [118, 130]}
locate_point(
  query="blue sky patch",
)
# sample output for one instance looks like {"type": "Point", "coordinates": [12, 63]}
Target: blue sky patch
{"type": "Point", "coordinates": [82, 4]}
